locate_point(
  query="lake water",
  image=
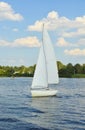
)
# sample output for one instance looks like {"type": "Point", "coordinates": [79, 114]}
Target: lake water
{"type": "Point", "coordinates": [18, 111]}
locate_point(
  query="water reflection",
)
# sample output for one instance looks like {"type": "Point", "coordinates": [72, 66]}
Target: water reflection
{"type": "Point", "coordinates": [47, 107]}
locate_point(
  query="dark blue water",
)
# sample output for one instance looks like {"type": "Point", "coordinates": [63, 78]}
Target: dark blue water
{"type": "Point", "coordinates": [18, 111]}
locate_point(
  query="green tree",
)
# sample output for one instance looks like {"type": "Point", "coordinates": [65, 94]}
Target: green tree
{"type": "Point", "coordinates": [62, 72]}
{"type": "Point", "coordinates": [61, 69]}
{"type": "Point", "coordinates": [9, 71]}
{"type": "Point", "coordinates": [83, 69]}
{"type": "Point", "coordinates": [78, 69]}
{"type": "Point", "coordinates": [60, 65]}
{"type": "Point", "coordinates": [69, 70]}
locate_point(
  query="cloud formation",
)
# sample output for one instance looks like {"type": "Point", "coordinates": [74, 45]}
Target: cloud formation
{"type": "Point", "coordinates": [75, 52]}
{"type": "Point", "coordinates": [7, 13]}
{"type": "Point", "coordinates": [54, 21]}
{"type": "Point", "coordinates": [61, 42]}
{"type": "Point", "coordinates": [22, 42]}
{"type": "Point", "coordinates": [27, 41]}
{"type": "Point", "coordinates": [69, 32]}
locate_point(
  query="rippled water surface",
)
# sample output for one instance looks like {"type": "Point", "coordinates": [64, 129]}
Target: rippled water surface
{"type": "Point", "coordinates": [18, 111]}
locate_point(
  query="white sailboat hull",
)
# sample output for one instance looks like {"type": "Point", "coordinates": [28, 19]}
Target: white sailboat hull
{"type": "Point", "coordinates": [43, 93]}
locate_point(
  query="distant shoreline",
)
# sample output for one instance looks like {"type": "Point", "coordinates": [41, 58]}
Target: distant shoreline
{"type": "Point", "coordinates": [73, 76]}
{"type": "Point", "coordinates": [65, 71]}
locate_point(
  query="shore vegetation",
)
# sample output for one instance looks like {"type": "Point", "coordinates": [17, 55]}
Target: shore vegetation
{"type": "Point", "coordinates": [67, 71]}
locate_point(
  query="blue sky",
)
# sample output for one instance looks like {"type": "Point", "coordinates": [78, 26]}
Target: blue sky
{"type": "Point", "coordinates": [20, 30]}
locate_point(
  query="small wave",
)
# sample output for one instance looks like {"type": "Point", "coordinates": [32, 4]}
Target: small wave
{"type": "Point", "coordinates": [79, 95]}
{"type": "Point", "coordinates": [73, 122]}
{"type": "Point", "coordinates": [8, 120]}
{"type": "Point", "coordinates": [27, 109]}
{"type": "Point", "coordinates": [16, 124]}
{"type": "Point", "coordinates": [65, 96]}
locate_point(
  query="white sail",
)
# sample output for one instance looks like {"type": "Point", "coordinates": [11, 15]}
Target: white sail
{"type": "Point", "coordinates": [40, 75]}
{"type": "Point", "coordinates": [46, 69]}
{"type": "Point", "coordinates": [52, 69]}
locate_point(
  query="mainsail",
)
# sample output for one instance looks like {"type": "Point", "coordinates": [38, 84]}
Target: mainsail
{"type": "Point", "coordinates": [52, 69]}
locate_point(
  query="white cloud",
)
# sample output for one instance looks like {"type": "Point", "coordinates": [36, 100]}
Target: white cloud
{"type": "Point", "coordinates": [37, 26]}
{"type": "Point", "coordinates": [54, 21]}
{"type": "Point", "coordinates": [75, 52]}
{"type": "Point", "coordinates": [52, 15]}
{"type": "Point", "coordinates": [61, 42]}
{"type": "Point", "coordinates": [22, 42]}
{"type": "Point", "coordinates": [27, 41]}
{"type": "Point", "coordinates": [80, 19]}
{"type": "Point", "coordinates": [7, 13]}
{"type": "Point", "coordinates": [73, 29]}
{"type": "Point", "coordinates": [79, 32]}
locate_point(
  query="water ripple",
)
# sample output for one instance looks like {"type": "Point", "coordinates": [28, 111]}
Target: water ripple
{"type": "Point", "coordinates": [18, 111]}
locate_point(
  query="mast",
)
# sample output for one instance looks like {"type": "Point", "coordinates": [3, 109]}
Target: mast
{"type": "Point", "coordinates": [44, 53]}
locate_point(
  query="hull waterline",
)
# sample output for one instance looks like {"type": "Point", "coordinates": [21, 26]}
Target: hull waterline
{"type": "Point", "coordinates": [43, 93]}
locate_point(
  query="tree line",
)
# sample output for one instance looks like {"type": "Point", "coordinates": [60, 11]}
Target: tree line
{"type": "Point", "coordinates": [69, 70]}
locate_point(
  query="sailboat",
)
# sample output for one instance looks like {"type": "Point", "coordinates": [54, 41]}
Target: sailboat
{"type": "Point", "coordinates": [46, 71]}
